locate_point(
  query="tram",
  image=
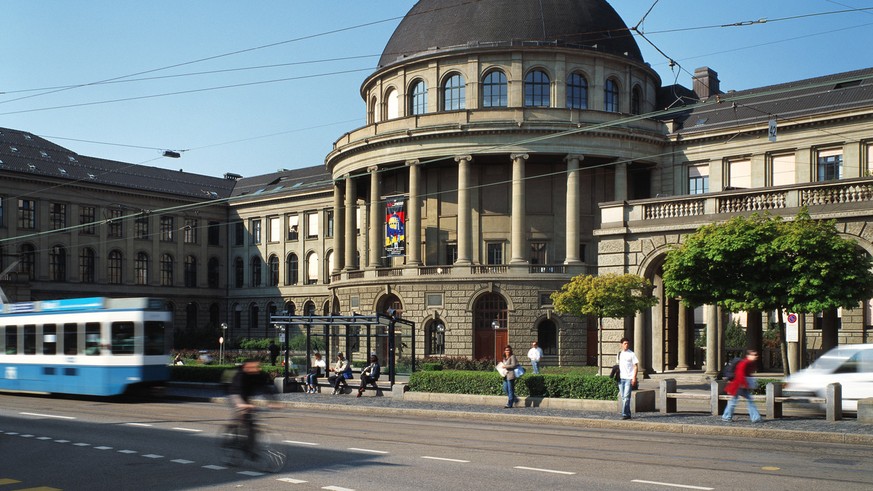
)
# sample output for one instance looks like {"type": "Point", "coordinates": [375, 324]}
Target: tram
{"type": "Point", "coordinates": [90, 346]}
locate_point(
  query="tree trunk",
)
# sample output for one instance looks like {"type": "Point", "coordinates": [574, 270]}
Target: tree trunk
{"type": "Point", "coordinates": [783, 345]}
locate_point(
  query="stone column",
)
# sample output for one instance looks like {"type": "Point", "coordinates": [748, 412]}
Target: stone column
{"type": "Point", "coordinates": [682, 347]}
{"type": "Point", "coordinates": [339, 225]}
{"type": "Point", "coordinates": [375, 236]}
{"type": "Point", "coordinates": [413, 222]}
{"type": "Point", "coordinates": [639, 342]}
{"type": "Point", "coordinates": [621, 181]}
{"type": "Point", "coordinates": [712, 366]}
{"type": "Point", "coordinates": [573, 206]}
{"type": "Point", "coordinates": [351, 236]}
{"type": "Point", "coordinates": [519, 219]}
{"type": "Point", "coordinates": [465, 213]}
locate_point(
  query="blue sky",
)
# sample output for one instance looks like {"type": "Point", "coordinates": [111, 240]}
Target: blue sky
{"type": "Point", "coordinates": [182, 73]}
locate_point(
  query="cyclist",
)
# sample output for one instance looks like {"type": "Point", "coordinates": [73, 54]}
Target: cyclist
{"type": "Point", "coordinates": [248, 382]}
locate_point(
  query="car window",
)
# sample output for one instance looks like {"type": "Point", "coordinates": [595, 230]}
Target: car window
{"type": "Point", "coordinates": [866, 358]}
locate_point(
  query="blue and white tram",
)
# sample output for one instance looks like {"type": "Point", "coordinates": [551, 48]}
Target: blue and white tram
{"type": "Point", "coordinates": [93, 346]}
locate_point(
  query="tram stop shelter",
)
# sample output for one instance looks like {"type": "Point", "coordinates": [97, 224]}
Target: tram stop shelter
{"type": "Point", "coordinates": [386, 335]}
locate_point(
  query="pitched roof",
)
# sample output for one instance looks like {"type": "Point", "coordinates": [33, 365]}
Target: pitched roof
{"type": "Point", "coordinates": [308, 178]}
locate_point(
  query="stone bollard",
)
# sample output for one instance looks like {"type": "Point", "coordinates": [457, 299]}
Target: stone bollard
{"type": "Point", "coordinates": [774, 408]}
{"type": "Point", "coordinates": [834, 402]}
{"type": "Point", "coordinates": [716, 388]}
{"type": "Point", "coordinates": [865, 411]}
{"type": "Point", "coordinates": [667, 404]}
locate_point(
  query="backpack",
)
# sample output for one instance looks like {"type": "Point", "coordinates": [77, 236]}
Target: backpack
{"type": "Point", "coordinates": [730, 369]}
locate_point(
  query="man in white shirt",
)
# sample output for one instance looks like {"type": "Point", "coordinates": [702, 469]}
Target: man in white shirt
{"type": "Point", "coordinates": [535, 353]}
{"type": "Point", "coordinates": [628, 366]}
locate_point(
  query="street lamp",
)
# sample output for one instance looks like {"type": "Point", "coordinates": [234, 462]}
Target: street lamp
{"type": "Point", "coordinates": [284, 339]}
{"type": "Point", "coordinates": [221, 342]}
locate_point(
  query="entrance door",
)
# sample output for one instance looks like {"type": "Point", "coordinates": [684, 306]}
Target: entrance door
{"type": "Point", "coordinates": [490, 333]}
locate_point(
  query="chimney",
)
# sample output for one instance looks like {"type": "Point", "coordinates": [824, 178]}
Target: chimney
{"type": "Point", "coordinates": [705, 83]}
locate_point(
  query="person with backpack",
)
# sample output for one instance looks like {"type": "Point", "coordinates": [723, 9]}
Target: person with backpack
{"type": "Point", "coordinates": [740, 385]}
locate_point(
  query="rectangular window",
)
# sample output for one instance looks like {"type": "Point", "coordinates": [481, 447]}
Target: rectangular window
{"type": "Point", "coordinates": [30, 339]}
{"type": "Point", "coordinates": [358, 221]}
{"type": "Point", "coordinates": [11, 340]}
{"type": "Point", "coordinates": [87, 216]}
{"type": "Point", "coordinates": [239, 234]}
{"type": "Point", "coordinates": [293, 227]}
{"type": "Point", "coordinates": [57, 216]}
{"type": "Point", "coordinates": [434, 299]}
{"type": "Point", "coordinates": [698, 179]}
{"type": "Point", "coordinates": [538, 253]}
{"type": "Point", "coordinates": [782, 169]}
{"type": "Point", "coordinates": [26, 214]}
{"type": "Point", "coordinates": [141, 228]}
{"type": "Point", "coordinates": [92, 338]}
{"type": "Point", "coordinates": [312, 225]}
{"type": "Point", "coordinates": [740, 174]}
{"type": "Point", "coordinates": [495, 253]}
{"type": "Point", "coordinates": [71, 339]}
{"type": "Point", "coordinates": [213, 234]}
{"type": "Point", "coordinates": [114, 225]}
{"type": "Point", "coordinates": [168, 229]}
{"type": "Point", "coordinates": [829, 164]}
{"type": "Point", "coordinates": [868, 169]}
{"type": "Point", "coordinates": [49, 339]}
{"type": "Point", "coordinates": [451, 253]}
{"type": "Point", "coordinates": [329, 226]}
{"type": "Point", "coordinates": [154, 338]}
{"type": "Point", "coordinates": [122, 338]}
{"type": "Point", "coordinates": [275, 229]}
{"type": "Point", "coordinates": [256, 231]}
{"type": "Point", "coordinates": [189, 235]}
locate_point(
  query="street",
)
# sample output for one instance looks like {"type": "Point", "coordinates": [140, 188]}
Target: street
{"type": "Point", "coordinates": [83, 444]}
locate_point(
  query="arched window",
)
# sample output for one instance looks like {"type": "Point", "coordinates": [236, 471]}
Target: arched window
{"type": "Point", "coordinates": [290, 308]}
{"type": "Point", "coordinates": [213, 272]}
{"type": "Point", "coordinates": [292, 269]}
{"type": "Point", "coordinates": [190, 271]}
{"type": "Point", "coordinates": [610, 96]}
{"type": "Point", "coordinates": [141, 268]}
{"type": "Point", "coordinates": [274, 270]}
{"type": "Point", "coordinates": [166, 270]}
{"type": "Point", "coordinates": [637, 100]}
{"type": "Point", "coordinates": [256, 271]}
{"type": "Point", "coordinates": [312, 268]}
{"type": "Point", "coordinates": [87, 265]}
{"type": "Point", "coordinates": [372, 116]}
{"type": "Point", "coordinates": [454, 97]}
{"type": "Point", "coordinates": [239, 272]}
{"type": "Point", "coordinates": [309, 308]}
{"type": "Point", "coordinates": [27, 261]}
{"type": "Point", "coordinates": [547, 337]}
{"type": "Point", "coordinates": [435, 338]}
{"type": "Point", "coordinates": [536, 89]}
{"type": "Point", "coordinates": [494, 89]}
{"type": "Point", "coordinates": [191, 316]}
{"type": "Point", "coordinates": [58, 263]}
{"type": "Point", "coordinates": [577, 91]}
{"type": "Point", "coordinates": [392, 105]}
{"type": "Point", "coordinates": [214, 315]}
{"type": "Point", "coordinates": [418, 98]}
{"type": "Point", "coordinates": [329, 261]}
{"type": "Point", "coordinates": [254, 312]}
{"type": "Point", "coordinates": [114, 268]}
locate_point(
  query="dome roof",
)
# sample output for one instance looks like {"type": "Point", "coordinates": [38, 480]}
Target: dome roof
{"type": "Point", "coordinates": [433, 26]}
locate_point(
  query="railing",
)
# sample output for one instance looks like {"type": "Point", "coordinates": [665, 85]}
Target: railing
{"type": "Point", "coordinates": [546, 268]}
{"type": "Point", "coordinates": [356, 275]}
{"type": "Point", "coordinates": [429, 270]}
{"type": "Point", "coordinates": [674, 209]}
{"type": "Point", "coordinates": [490, 269]}
{"type": "Point", "coordinates": [383, 273]}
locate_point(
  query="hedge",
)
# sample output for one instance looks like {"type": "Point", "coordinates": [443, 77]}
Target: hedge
{"type": "Point", "coordinates": [490, 383]}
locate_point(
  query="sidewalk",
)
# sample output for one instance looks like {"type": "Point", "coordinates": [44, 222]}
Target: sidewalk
{"type": "Point", "coordinates": [448, 406]}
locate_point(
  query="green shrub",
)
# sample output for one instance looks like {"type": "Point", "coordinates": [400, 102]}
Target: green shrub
{"type": "Point", "coordinates": [431, 367]}
{"type": "Point", "coordinates": [761, 387]}
{"type": "Point", "coordinates": [490, 383]}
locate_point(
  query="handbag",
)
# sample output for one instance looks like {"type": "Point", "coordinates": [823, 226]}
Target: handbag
{"type": "Point", "coordinates": [347, 375]}
{"type": "Point", "coordinates": [519, 371]}
{"type": "Point", "coordinates": [502, 371]}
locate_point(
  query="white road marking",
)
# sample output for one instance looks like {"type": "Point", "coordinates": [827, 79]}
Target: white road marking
{"type": "Point", "coordinates": [670, 484]}
{"type": "Point", "coordinates": [137, 424]}
{"type": "Point", "coordinates": [80, 444]}
{"type": "Point", "coordinates": [445, 459]}
{"type": "Point", "coordinates": [182, 461]}
{"type": "Point", "coordinates": [365, 450]}
{"type": "Point", "coordinates": [26, 436]}
{"type": "Point", "coordinates": [103, 448]}
{"type": "Point", "coordinates": [214, 467]}
{"type": "Point", "coordinates": [153, 456]}
{"type": "Point", "coordinates": [62, 441]}
{"type": "Point", "coordinates": [291, 480]}
{"type": "Point", "coordinates": [44, 438]}
{"type": "Point", "coordinates": [251, 473]}
{"type": "Point", "coordinates": [193, 430]}
{"type": "Point", "coordinates": [127, 451]}
{"type": "Point", "coordinates": [552, 471]}
{"type": "Point", "coordinates": [47, 415]}
{"type": "Point", "coordinates": [12, 433]}
{"type": "Point", "coordinates": [295, 442]}
{"type": "Point", "coordinates": [337, 488]}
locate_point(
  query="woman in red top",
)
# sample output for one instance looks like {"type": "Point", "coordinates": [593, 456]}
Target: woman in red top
{"type": "Point", "coordinates": [739, 387]}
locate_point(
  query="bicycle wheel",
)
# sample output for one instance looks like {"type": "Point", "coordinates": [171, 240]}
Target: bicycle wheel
{"type": "Point", "coordinates": [270, 455]}
{"type": "Point", "coordinates": [230, 445]}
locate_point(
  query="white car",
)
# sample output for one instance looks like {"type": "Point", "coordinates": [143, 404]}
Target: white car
{"type": "Point", "coordinates": [851, 365]}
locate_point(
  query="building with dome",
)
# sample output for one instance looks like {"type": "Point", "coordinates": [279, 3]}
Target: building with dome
{"type": "Point", "coordinates": [507, 147]}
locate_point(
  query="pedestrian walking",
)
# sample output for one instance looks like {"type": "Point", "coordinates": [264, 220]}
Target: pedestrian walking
{"type": "Point", "coordinates": [506, 367]}
{"type": "Point", "coordinates": [741, 386]}
{"type": "Point", "coordinates": [629, 367]}
{"type": "Point", "coordinates": [535, 354]}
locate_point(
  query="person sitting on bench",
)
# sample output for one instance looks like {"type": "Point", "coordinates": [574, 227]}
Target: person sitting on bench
{"type": "Point", "coordinates": [370, 374]}
{"type": "Point", "coordinates": [342, 371]}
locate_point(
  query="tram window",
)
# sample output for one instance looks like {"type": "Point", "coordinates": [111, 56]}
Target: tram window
{"type": "Point", "coordinates": [92, 338]}
{"type": "Point", "coordinates": [30, 339]}
{"type": "Point", "coordinates": [49, 339]}
{"type": "Point", "coordinates": [71, 339]}
{"type": "Point", "coordinates": [122, 338]}
{"type": "Point", "coordinates": [11, 340]}
{"type": "Point", "coordinates": [154, 338]}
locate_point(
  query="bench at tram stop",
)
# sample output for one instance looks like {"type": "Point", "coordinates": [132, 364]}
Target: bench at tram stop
{"type": "Point", "coordinates": [773, 399]}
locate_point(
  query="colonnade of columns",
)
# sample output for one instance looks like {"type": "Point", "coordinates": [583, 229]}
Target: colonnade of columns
{"type": "Point", "coordinates": [345, 204]}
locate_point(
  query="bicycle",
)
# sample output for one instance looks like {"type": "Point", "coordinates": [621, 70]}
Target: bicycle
{"type": "Point", "coordinates": [237, 447]}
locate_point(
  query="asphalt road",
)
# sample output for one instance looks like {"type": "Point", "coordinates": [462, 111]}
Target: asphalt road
{"type": "Point", "coordinates": [97, 444]}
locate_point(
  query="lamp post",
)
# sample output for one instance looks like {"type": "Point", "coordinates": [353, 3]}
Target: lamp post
{"type": "Point", "coordinates": [283, 333]}
{"type": "Point", "coordinates": [221, 342]}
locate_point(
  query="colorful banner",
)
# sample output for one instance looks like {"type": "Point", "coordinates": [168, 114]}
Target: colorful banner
{"type": "Point", "coordinates": [395, 227]}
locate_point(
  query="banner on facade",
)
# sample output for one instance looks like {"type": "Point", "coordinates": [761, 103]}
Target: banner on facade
{"type": "Point", "coordinates": [395, 227]}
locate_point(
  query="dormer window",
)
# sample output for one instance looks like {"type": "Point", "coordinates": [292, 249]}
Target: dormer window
{"type": "Point", "coordinates": [44, 154]}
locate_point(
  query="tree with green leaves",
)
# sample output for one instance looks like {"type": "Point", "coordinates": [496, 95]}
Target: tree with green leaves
{"type": "Point", "coordinates": [764, 263]}
{"type": "Point", "coordinates": [610, 295]}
